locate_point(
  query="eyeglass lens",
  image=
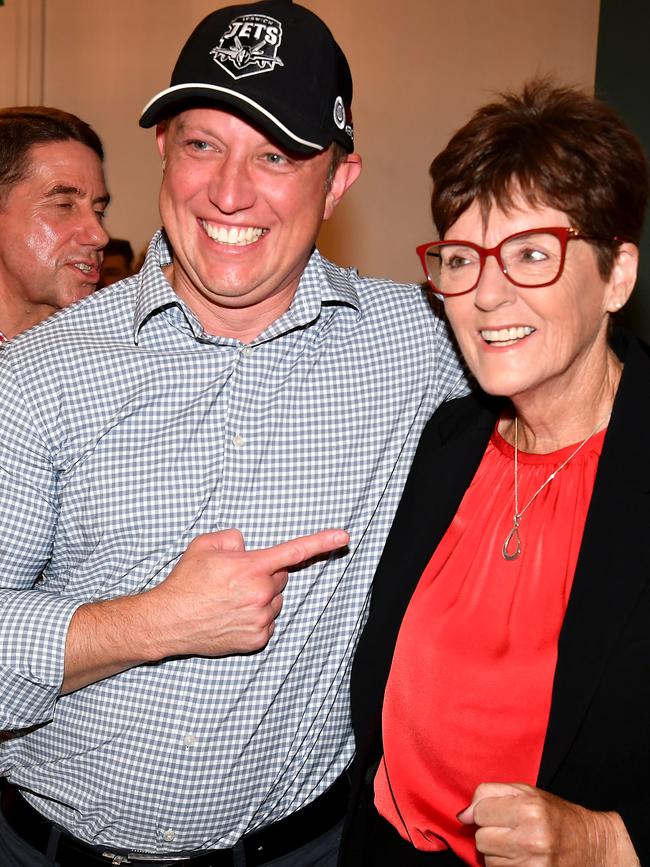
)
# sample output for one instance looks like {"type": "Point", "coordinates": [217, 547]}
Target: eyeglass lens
{"type": "Point", "coordinates": [530, 259]}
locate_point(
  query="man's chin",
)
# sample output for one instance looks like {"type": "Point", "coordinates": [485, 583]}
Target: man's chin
{"type": "Point", "coordinates": [78, 293]}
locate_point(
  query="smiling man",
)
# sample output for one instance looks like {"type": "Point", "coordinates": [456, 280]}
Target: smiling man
{"type": "Point", "coordinates": [172, 693]}
{"type": "Point", "coordinates": [52, 202]}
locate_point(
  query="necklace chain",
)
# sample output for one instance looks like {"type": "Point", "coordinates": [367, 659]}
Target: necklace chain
{"type": "Point", "coordinates": [513, 535]}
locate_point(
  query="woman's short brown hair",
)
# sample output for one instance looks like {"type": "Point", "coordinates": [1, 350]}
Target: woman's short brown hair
{"type": "Point", "coordinates": [557, 147]}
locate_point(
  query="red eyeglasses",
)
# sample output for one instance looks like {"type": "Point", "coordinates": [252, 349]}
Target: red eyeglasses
{"type": "Point", "coordinates": [530, 259]}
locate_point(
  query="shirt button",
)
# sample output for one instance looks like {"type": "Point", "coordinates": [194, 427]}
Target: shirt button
{"type": "Point", "coordinates": [189, 741]}
{"type": "Point", "coordinates": [169, 835]}
{"type": "Point", "coordinates": [247, 351]}
{"type": "Point", "coordinates": [238, 441]}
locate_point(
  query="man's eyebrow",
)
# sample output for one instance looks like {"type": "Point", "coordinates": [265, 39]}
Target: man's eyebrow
{"type": "Point", "coordinates": [64, 190]}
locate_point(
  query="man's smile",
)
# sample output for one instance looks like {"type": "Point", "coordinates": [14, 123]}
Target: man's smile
{"type": "Point", "coordinates": [239, 236]}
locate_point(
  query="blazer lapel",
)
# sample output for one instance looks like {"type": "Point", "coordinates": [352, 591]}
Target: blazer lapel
{"type": "Point", "coordinates": [449, 453]}
{"type": "Point", "coordinates": [613, 566]}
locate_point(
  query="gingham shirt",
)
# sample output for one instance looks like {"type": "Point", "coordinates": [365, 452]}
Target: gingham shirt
{"type": "Point", "coordinates": [126, 432]}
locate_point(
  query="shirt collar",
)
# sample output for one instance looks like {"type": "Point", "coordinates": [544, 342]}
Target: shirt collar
{"type": "Point", "coordinates": [154, 293]}
{"type": "Point", "coordinates": [321, 284]}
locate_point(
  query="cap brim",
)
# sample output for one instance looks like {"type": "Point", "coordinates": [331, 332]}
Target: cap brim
{"type": "Point", "coordinates": [173, 100]}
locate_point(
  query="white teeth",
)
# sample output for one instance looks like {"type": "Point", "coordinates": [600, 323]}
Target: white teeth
{"type": "Point", "coordinates": [238, 237]}
{"type": "Point", "coordinates": [505, 335]}
{"type": "Point", "coordinates": [83, 267]}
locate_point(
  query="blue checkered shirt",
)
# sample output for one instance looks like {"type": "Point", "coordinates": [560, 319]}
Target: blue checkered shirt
{"type": "Point", "coordinates": [126, 432]}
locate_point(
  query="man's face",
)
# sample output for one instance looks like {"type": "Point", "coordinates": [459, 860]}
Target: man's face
{"type": "Point", "coordinates": [242, 215]}
{"type": "Point", "coordinates": [51, 232]}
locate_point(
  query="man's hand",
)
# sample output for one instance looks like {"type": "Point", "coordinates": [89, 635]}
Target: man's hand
{"type": "Point", "coordinates": [221, 599]}
{"type": "Point", "coordinates": [521, 826]}
{"type": "Point", "coordinates": [218, 600]}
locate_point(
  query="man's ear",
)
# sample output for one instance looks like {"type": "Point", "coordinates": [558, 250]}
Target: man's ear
{"type": "Point", "coordinates": [161, 132]}
{"type": "Point", "coordinates": [623, 277]}
{"type": "Point", "coordinates": [345, 175]}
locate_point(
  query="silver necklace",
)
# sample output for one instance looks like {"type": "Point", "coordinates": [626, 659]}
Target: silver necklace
{"type": "Point", "coordinates": [513, 535]}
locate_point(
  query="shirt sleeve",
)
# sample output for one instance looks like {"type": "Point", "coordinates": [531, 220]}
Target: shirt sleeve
{"type": "Point", "coordinates": [33, 619]}
{"type": "Point", "coordinates": [453, 378]}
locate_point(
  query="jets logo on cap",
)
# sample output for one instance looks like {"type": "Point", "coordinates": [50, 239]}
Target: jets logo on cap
{"type": "Point", "coordinates": [249, 46]}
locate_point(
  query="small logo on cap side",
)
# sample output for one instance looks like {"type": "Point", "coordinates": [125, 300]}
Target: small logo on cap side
{"type": "Point", "coordinates": [249, 46]}
{"type": "Point", "coordinates": [339, 112]}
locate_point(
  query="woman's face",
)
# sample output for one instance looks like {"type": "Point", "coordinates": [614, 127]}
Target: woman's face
{"type": "Point", "coordinates": [550, 340]}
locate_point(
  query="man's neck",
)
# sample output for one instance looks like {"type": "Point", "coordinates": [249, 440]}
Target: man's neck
{"type": "Point", "coordinates": [241, 323]}
{"type": "Point", "coordinates": [16, 319]}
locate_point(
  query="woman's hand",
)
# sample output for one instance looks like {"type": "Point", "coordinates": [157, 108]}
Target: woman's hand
{"type": "Point", "coordinates": [522, 825]}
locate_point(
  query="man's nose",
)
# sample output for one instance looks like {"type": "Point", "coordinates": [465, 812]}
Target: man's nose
{"type": "Point", "coordinates": [231, 187]}
{"type": "Point", "coordinates": [92, 230]}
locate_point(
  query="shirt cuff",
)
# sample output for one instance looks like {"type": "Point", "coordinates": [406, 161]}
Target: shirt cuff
{"type": "Point", "coordinates": [33, 631]}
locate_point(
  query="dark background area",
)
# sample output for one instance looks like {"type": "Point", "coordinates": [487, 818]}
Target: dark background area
{"type": "Point", "coordinates": [623, 81]}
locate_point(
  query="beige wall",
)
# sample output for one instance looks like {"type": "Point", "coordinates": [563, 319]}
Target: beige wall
{"type": "Point", "coordinates": [420, 66]}
{"type": "Point", "coordinates": [21, 52]}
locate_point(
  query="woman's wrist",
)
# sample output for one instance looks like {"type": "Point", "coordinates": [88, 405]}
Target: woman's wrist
{"type": "Point", "coordinates": [617, 845]}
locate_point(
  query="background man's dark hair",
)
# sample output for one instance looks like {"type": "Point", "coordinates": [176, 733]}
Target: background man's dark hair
{"type": "Point", "coordinates": [22, 127]}
{"type": "Point", "coordinates": [119, 247]}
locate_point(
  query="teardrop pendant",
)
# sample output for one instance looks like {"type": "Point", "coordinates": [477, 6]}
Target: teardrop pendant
{"type": "Point", "coordinates": [513, 534]}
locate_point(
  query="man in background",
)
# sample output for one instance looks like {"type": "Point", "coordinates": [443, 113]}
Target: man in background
{"type": "Point", "coordinates": [52, 202]}
{"type": "Point", "coordinates": [118, 262]}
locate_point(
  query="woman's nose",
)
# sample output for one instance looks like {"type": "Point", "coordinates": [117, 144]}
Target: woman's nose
{"type": "Point", "coordinates": [493, 288]}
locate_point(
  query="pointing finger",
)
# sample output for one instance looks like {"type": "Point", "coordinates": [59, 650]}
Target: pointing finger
{"type": "Point", "coordinates": [302, 548]}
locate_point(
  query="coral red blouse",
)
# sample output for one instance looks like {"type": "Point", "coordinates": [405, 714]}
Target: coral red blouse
{"type": "Point", "coordinates": [469, 691]}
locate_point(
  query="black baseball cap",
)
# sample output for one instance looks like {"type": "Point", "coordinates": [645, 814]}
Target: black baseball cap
{"type": "Point", "coordinates": [274, 62]}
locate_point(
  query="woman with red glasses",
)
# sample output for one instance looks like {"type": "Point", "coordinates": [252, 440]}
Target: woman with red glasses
{"type": "Point", "coordinates": [501, 689]}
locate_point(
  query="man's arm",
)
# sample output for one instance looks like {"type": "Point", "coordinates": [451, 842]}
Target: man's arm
{"type": "Point", "coordinates": [219, 600]}
{"type": "Point", "coordinates": [452, 377]}
{"type": "Point", "coordinates": [33, 621]}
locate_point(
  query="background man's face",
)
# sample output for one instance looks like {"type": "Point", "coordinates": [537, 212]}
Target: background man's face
{"type": "Point", "coordinates": [51, 232]}
{"type": "Point", "coordinates": [114, 267]}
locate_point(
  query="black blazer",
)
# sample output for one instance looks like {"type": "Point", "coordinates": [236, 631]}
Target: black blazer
{"type": "Point", "coordinates": [597, 747]}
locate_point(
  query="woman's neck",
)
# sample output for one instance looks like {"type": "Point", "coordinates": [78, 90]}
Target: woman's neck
{"type": "Point", "coordinates": [549, 422]}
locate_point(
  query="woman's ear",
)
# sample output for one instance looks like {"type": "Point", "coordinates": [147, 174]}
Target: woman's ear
{"type": "Point", "coordinates": [623, 277]}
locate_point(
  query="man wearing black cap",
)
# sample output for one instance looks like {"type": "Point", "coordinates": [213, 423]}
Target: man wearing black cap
{"type": "Point", "coordinates": [170, 695]}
